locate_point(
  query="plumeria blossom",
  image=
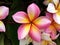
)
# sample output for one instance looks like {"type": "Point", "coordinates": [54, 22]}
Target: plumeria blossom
{"type": "Point", "coordinates": [31, 23]}
{"type": "Point", "coordinates": [52, 29]}
{"type": "Point", "coordinates": [55, 25]}
{"type": "Point", "coordinates": [50, 33]}
{"type": "Point", "coordinates": [55, 9]}
{"type": "Point", "coordinates": [3, 14]}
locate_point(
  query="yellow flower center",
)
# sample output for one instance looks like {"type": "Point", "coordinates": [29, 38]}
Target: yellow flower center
{"type": "Point", "coordinates": [58, 9]}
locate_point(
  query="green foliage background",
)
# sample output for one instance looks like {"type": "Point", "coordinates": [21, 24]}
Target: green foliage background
{"type": "Point", "coordinates": [10, 36]}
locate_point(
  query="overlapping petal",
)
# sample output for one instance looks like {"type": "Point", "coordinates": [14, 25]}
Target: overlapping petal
{"type": "Point", "coordinates": [25, 41]}
{"type": "Point", "coordinates": [2, 27]}
{"type": "Point", "coordinates": [57, 26]}
{"type": "Point", "coordinates": [44, 42]}
{"type": "Point", "coordinates": [51, 8]}
{"type": "Point", "coordinates": [47, 39]}
{"type": "Point", "coordinates": [52, 31]}
{"type": "Point", "coordinates": [56, 18]}
{"type": "Point", "coordinates": [46, 36]}
{"type": "Point", "coordinates": [48, 42]}
{"type": "Point", "coordinates": [42, 22]}
{"type": "Point", "coordinates": [49, 16]}
{"type": "Point", "coordinates": [34, 33]}
{"type": "Point", "coordinates": [58, 8]}
{"type": "Point", "coordinates": [23, 30]}
{"type": "Point", "coordinates": [33, 11]}
{"type": "Point", "coordinates": [36, 43]}
{"type": "Point", "coordinates": [56, 2]}
{"type": "Point", "coordinates": [52, 43]}
{"type": "Point", "coordinates": [3, 12]}
{"type": "Point", "coordinates": [20, 17]}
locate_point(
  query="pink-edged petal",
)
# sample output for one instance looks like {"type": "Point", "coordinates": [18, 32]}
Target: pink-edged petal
{"type": "Point", "coordinates": [51, 8]}
{"type": "Point", "coordinates": [23, 30]}
{"type": "Point", "coordinates": [3, 12]}
{"type": "Point", "coordinates": [2, 27]}
{"type": "Point", "coordinates": [20, 17]}
{"type": "Point", "coordinates": [49, 16]}
{"type": "Point", "coordinates": [35, 34]}
{"type": "Point", "coordinates": [33, 11]}
{"type": "Point", "coordinates": [42, 22]}
{"type": "Point", "coordinates": [56, 18]}
{"type": "Point", "coordinates": [52, 31]}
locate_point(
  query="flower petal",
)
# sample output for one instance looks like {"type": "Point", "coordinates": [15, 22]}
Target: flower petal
{"type": "Point", "coordinates": [58, 8]}
{"type": "Point", "coordinates": [57, 26]}
{"type": "Point", "coordinates": [52, 31]}
{"type": "Point", "coordinates": [52, 43]}
{"type": "Point", "coordinates": [2, 27]}
{"type": "Point", "coordinates": [56, 18]}
{"type": "Point", "coordinates": [3, 12]}
{"type": "Point", "coordinates": [23, 30]}
{"type": "Point", "coordinates": [46, 36]}
{"type": "Point", "coordinates": [49, 16]}
{"type": "Point", "coordinates": [36, 43]}
{"type": "Point", "coordinates": [20, 17]}
{"type": "Point", "coordinates": [44, 42]}
{"type": "Point", "coordinates": [34, 33]}
{"type": "Point", "coordinates": [51, 10]}
{"type": "Point", "coordinates": [42, 22]}
{"type": "Point", "coordinates": [25, 41]}
{"type": "Point", "coordinates": [56, 2]}
{"type": "Point", "coordinates": [33, 11]}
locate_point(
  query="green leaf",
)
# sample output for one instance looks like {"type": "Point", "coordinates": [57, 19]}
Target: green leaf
{"type": "Point", "coordinates": [57, 41]}
{"type": "Point", "coordinates": [1, 39]}
{"type": "Point", "coordinates": [11, 32]}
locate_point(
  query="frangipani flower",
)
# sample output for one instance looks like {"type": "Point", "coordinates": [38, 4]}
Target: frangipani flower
{"type": "Point", "coordinates": [52, 29]}
{"type": "Point", "coordinates": [30, 22]}
{"type": "Point", "coordinates": [3, 14]}
{"type": "Point", "coordinates": [55, 9]}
